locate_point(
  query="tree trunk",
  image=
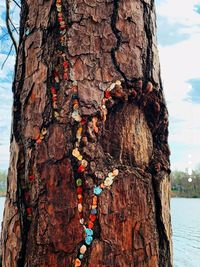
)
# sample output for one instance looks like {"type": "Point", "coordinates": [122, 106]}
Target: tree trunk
{"type": "Point", "coordinates": [90, 129]}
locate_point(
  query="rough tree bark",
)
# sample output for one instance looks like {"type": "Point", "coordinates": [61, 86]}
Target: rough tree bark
{"type": "Point", "coordinates": [105, 64]}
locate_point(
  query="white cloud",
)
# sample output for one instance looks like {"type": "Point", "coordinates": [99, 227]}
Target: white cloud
{"type": "Point", "coordinates": [179, 11]}
{"type": "Point", "coordinates": [180, 63]}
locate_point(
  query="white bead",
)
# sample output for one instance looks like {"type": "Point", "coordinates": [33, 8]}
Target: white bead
{"type": "Point", "coordinates": [118, 82]}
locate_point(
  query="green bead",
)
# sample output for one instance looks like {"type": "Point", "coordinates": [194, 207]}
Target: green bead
{"type": "Point", "coordinates": [79, 182]}
{"type": "Point", "coordinates": [57, 86]}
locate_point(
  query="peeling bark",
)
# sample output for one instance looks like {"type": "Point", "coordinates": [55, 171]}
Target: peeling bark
{"type": "Point", "coordinates": [108, 44]}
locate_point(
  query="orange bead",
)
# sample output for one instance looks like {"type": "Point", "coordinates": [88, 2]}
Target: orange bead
{"type": "Point", "coordinates": [75, 101]}
{"type": "Point", "coordinates": [102, 186]}
{"type": "Point", "coordinates": [77, 263]}
{"type": "Point", "coordinates": [94, 200]}
{"type": "Point", "coordinates": [90, 225]}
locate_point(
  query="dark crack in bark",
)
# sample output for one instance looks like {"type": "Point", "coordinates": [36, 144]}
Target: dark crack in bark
{"type": "Point", "coordinates": [118, 37]}
{"type": "Point", "coordinates": [148, 65]}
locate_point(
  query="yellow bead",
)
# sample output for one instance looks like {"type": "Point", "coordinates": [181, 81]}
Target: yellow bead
{"type": "Point", "coordinates": [115, 172]}
{"type": "Point", "coordinates": [75, 152]}
{"type": "Point", "coordinates": [80, 157]}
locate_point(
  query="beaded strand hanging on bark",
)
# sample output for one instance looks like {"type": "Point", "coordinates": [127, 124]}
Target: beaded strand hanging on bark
{"type": "Point", "coordinates": [81, 162]}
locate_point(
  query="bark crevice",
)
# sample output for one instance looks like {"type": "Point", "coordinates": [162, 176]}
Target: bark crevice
{"type": "Point", "coordinates": [118, 37]}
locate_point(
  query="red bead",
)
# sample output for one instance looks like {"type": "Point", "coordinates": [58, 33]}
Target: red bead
{"type": "Point", "coordinates": [107, 94]}
{"type": "Point", "coordinates": [65, 76]}
{"type": "Point", "coordinates": [29, 211]}
{"type": "Point", "coordinates": [83, 122]}
{"type": "Point", "coordinates": [54, 98]}
{"type": "Point", "coordinates": [80, 200]}
{"type": "Point", "coordinates": [60, 19]}
{"type": "Point", "coordinates": [79, 190]}
{"type": "Point", "coordinates": [53, 90]}
{"type": "Point", "coordinates": [38, 141]}
{"type": "Point", "coordinates": [81, 168]}
{"type": "Point", "coordinates": [93, 217]}
{"type": "Point", "coordinates": [62, 27]}
{"type": "Point", "coordinates": [31, 178]}
{"type": "Point", "coordinates": [65, 64]}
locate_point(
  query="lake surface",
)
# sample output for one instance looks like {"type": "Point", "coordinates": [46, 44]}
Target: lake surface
{"type": "Point", "coordinates": [186, 230]}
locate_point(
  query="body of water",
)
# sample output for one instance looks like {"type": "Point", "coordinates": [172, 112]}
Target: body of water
{"type": "Point", "coordinates": [186, 230]}
{"type": "Point", "coordinates": [185, 214]}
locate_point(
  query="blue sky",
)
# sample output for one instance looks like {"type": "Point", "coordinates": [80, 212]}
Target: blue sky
{"type": "Point", "coordinates": [178, 24]}
{"type": "Point", "coordinates": [6, 76]}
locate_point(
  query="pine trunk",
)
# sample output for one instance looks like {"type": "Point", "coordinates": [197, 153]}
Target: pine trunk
{"type": "Point", "coordinates": [90, 129]}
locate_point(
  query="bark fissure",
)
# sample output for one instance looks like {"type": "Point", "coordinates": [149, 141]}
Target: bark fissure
{"type": "Point", "coordinates": [148, 64]}
{"type": "Point", "coordinates": [164, 244]}
{"type": "Point", "coordinates": [118, 37]}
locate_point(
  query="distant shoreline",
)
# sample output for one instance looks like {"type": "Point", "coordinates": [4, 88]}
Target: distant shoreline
{"type": "Point", "coordinates": [176, 194]}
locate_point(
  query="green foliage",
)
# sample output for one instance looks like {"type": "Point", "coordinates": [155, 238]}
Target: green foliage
{"type": "Point", "coordinates": [3, 182]}
{"type": "Point", "coordinates": [181, 187]}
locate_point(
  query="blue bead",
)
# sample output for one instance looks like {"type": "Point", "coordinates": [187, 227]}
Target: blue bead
{"type": "Point", "coordinates": [75, 96]}
{"type": "Point", "coordinates": [97, 190]}
{"type": "Point", "coordinates": [94, 211]}
{"type": "Point", "coordinates": [80, 256]}
{"type": "Point", "coordinates": [88, 240]}
{"type": "Point", "coordinates": [89, 232]}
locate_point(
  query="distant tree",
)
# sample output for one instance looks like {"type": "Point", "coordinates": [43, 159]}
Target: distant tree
{"type": "Point", "coordinates": [3, 181]}
{"type": "Point", "coordinates": [182, 187]}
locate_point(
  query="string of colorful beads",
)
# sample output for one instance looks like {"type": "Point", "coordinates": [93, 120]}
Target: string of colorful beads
{"type": "Point", "coordinates": [54, 89]}
{"type": "Point", "coordinates": [65, 64]}
{"type": "Point", "coordinates": [41, 136]}
{"type": "Point", "coordinates": [82, 165]}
